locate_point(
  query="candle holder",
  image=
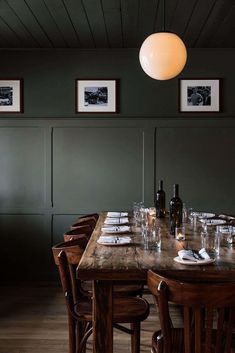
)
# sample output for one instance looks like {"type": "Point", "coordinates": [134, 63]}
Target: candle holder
{"type": "Point", "coordinates": [180, 233]}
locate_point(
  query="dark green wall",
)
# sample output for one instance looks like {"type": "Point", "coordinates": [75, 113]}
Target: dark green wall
{"type": "Point", "coordinates": [50, 89]}
{"type": "Point", "coordinates": [56, 164]}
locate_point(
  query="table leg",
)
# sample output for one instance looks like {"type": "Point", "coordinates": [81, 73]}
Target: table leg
{"type": "Point", "coordinates": [102, 317]}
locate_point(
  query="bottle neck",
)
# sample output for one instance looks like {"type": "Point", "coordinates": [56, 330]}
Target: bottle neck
{"type": "Point", "coordinates": [160, 185]}
{"type": "Point", "coordinates": [176, 190]}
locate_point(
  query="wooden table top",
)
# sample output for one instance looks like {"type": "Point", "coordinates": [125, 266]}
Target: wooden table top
{"type": "Point", "coordinates": [132, 261]}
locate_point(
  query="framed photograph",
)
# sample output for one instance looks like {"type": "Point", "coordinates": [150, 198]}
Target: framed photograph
{"type": "Point", "coordinates": [199, 95]}
{"type": "Point", "coordinates": [11, 95]}
{"type": "Point", "coordinates": [96, 96]}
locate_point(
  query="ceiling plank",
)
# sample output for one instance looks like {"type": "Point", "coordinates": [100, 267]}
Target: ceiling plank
{"type": "Point", "coordinates": [147, 20]}
{"type": "Point", "coordinates": [81, 25]}
{"type": "Point", "coordinates": [223, 36]}
{"type": "Point", "coordinates": [218, 13]}
{"type": "Point", "coordinates": [182, 15]}
{"type": "Point", "coordinates": [199, 18]}
{"type": "Point", "coordinates": [60, 15]}
{"type": "Point", "coordinates": [113, 21]}
{"type": "Point", "coordinates": [30, 22]}
{"type": "Point", "coordinates": [43, 16]}
{"type": "Point", "coordinates": [11, 18]}
{"type": "Point", "coordinates": [130, 21]}
{"type": "Point", "coordinates": [170, 7]}
{"type": "Point", "coordinates": [8, 37]}
{"type": "Point", "coordinates": [95, 15]}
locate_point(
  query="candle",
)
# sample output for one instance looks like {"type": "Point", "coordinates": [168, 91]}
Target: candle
{"type": "Point", "coordinates": [180, 233]}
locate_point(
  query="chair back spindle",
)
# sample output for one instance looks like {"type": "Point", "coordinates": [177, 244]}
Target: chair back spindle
{"type": "Point", "coordinates": [208, 315]}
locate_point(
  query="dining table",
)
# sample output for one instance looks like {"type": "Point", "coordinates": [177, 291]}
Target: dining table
{"type": "Point", "coordinates": [106, 264]}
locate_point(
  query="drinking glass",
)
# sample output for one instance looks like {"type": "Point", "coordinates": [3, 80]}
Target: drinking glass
{"type": "Point", "coordinates": [230, 235]}
{"type": "Point", "coordinates": [180, 233]}
{"type": "Point", "coordinates": [136, 212]}
{"type": "Point", "coordinates": [152, 238]}
{"type": "Point", "coordinates": [151, 215]}
{"type": "Point", "coordinates": [143, 217]}
{"type": "Point", "coordinates": [190, 214]}
{"type": "Point", "coordinates": [184, 214]}
{"type": "Point", "coordinates": [211, 242]}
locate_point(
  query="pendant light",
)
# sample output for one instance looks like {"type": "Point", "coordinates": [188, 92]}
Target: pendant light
{"type": "Point", "coordinates": [163, 54]}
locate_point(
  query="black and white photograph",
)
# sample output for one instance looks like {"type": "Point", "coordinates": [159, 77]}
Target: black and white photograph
{"type": "Point", "coordinates": [199, 95]}
{"type": "Point", "coordinates": [6, 95]}
{"type": "Point", "coordinates": [96, 96]}
{"type": "Point", "coordinates": [11, 96]}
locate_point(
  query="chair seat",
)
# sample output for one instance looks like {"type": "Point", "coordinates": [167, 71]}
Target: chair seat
{"type": "Point", "coordinates": [126, 310]}
{"type": "Point", "coordinates": [124, 289]}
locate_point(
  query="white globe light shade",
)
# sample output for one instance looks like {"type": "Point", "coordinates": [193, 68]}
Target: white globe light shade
{"type": "Point", "coordinates": [163, 55]}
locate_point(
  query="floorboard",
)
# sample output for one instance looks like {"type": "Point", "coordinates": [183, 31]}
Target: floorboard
{"type": "Point", "coordinates": [33, 320]}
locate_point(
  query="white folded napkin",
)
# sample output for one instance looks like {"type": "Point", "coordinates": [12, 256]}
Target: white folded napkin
{"type": "Point", "coordinates": [213, 222]}
{"type": "Point", "coordinates": [117, 214]}
{"type": "Point", "coordinates": [113, 240]}
{"type": "Point", "coordinates": [122, 220]}
{"type": "Point", "coordinates": [116, 229]}
{"type": "Point", "coordinates": [202, 215]}
{"type": "Point", "coordinates": [192, 256]}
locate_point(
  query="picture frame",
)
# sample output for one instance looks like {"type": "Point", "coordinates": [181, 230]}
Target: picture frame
{"type": "Point", "coordinates": [94, 96]}
{"type": "Point", "coordinates": [11, 95]}
{"type": "Point", "coordinates": [200, 95]}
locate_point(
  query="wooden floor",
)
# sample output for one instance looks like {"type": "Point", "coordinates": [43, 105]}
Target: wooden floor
{"type": "Point", "coordinates": [33, 320]}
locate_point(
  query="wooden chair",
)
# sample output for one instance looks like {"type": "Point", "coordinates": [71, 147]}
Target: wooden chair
{"type": "Point", "coordinates": [208, 316]}
{"type": "Point", "coordinates": [131, 310]}
{"type": "Point", "coordinates": [76, 233]}
{"type": "Point", "coordinates": [95, 216]}
{"type": "Point", "coordinates": [90, 220]}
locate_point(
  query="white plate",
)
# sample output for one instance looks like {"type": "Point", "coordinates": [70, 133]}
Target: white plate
{"type": "Point", "coordinates": [212, 222]}
{"type": "Point", "coordinates": [197, 263]}
{"type": "Point", "coordinates": [203, 214]}
{"type": "Point", "coordinates": [113, 241]}
{"type": "Point", "coordinates": [117, 214]}
{"type": "Point", "coordinates": [116, 229]}
{"type": "Point", "coordinates": [226, 217]}
{"type": "Point", "coordinates": [116, 221]}
{"type": "Point", "coordinates": [224, 230]}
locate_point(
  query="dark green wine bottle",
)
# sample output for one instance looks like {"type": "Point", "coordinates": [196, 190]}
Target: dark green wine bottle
{"type": "Point", "coordinates": [176, 206]}
{"type": "Point", "coordinates": [160, 201]}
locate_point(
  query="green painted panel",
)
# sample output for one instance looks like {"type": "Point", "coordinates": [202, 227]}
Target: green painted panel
{"type": "Point", "coordinates": [201, 160]}
{"type": "Point", "coordinates": [22, 180]}
{"type": "Point", "coordinates": [97, 168]}
{"type": "Point", "coordinates": [25, 247]}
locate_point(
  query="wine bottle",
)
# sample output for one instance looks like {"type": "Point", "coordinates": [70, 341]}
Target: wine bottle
{"type": "Point", "coordinates": [175, 210]}
{"type": "Point", "coordinates": [160, 201]}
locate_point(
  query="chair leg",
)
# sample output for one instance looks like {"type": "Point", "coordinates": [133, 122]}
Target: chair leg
{"type": "Point", "coordinates": [82, 346]}
{"type": "Point", "coordinates": [135, 337]}
{"type": "Point", "coordinates": [72, 334]}
{"type": "Point", "coordinates": [79, 334]}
